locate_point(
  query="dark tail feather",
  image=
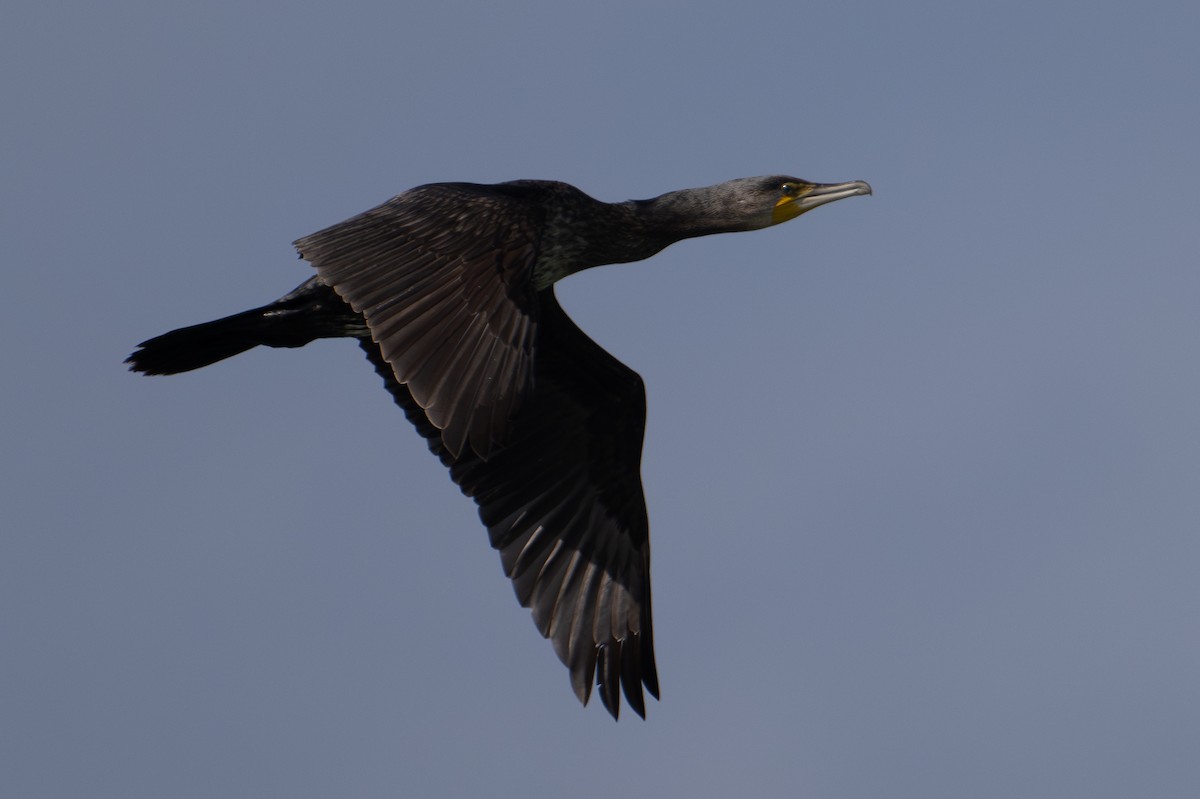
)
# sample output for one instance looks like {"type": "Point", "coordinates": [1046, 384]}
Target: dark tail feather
{"type": "Point", "coordinates": [199, 345]}
{"type": "Point", "coordinates": [310, 312]}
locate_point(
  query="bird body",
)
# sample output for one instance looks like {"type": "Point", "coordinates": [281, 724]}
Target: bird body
{"type": "Point", "coordinates": [448, 288]}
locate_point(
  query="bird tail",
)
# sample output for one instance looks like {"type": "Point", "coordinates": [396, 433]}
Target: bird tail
{"type": "Point", "coordinates": [310, 312]}
{"type": "Point", "coordinates": [199, 345]}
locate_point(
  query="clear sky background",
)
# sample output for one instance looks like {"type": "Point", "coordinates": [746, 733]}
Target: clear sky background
{"type": "Point", "coordinates": [923, 468]}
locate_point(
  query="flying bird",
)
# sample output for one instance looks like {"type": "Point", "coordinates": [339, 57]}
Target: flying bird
{"type": "Point", "coordinates": [449, 289]}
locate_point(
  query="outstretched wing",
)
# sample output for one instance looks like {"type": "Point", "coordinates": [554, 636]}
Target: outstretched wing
{"type": "Point", "coordinates": [442, 275]}
{"type": "Point", "coordinates": [562, 500]}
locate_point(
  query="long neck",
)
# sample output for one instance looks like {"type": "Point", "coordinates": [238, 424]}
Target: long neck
{"type": "Point", "coordinates": [637, 229]}
{"type": "Point", "coordinates": [616, 233]}
{"type": "Point", "coordinates": [689, 213]}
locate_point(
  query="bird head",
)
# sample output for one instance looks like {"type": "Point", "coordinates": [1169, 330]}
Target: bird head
{"type": "Point", "coordinates": [744, 204]}
{"type": "Point", "coordinates": [791, 197]}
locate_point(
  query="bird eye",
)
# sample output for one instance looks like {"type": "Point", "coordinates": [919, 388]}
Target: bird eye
{"type": "Point", "coordinates": [790, 189]}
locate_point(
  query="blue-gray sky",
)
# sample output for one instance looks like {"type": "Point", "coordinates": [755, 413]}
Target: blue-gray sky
{"type": "Point", "coordinates": [923, 468]}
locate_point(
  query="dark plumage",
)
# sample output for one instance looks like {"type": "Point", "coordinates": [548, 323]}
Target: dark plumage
{"type": "Point", "coordinates": [449, 290]}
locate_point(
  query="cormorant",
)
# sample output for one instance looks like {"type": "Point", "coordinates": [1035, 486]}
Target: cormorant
{"type": "Point", "coordinates": [448, 288]}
